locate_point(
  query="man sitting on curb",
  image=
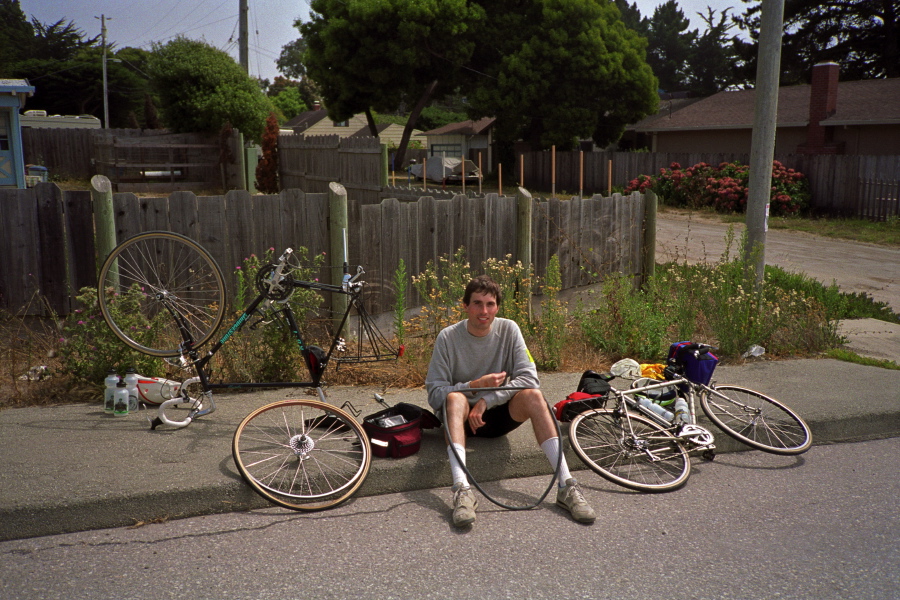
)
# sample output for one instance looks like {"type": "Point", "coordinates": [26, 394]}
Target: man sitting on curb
{"type": "Point", "coordinates": [481, 352]}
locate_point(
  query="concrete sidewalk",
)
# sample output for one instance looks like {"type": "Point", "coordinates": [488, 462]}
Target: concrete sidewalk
{"type": "Point", "coordinates": [72, 468]}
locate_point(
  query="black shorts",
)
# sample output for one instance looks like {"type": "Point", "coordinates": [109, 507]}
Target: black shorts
{"type": "Point", "coordinates": [497, 422]}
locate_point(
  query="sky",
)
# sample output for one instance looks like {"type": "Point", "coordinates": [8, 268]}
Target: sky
{"type": "Point", "coordinates": [138, 24]}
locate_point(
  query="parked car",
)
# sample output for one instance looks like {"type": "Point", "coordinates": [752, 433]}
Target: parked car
{"type": "Point", "coordinates": [450, 170]}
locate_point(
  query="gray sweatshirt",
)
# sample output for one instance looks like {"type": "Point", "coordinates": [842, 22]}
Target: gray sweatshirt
{"type": "Point", "coordinates": [460, 357]}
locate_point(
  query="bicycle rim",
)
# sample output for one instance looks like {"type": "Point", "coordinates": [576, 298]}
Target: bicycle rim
{"type": "Point", "coordinates": [633, 452]}
{"type": "Point", "coordinates": [149, 276]}
{"type": "Point", "coordinates": [302, 454]}
{"type": "Point", "coordinates": [755, 419]}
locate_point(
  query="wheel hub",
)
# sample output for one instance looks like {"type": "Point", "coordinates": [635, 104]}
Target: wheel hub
{"type": "Point", "coordinates": [302, 445]}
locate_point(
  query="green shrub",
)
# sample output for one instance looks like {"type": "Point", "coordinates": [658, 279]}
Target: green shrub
{"type": "Point", "coordinates": [88, 348]}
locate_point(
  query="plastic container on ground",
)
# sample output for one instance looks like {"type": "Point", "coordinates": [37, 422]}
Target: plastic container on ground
{"type": "Point", "coordinates": [109, 391]}
{"type": "Point", "coordinates": [131, 382]}
{"type": "Point", "coordinates": [121, 407]}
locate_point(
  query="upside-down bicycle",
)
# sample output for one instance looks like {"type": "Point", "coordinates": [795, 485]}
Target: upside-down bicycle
{"type": "Point", "coordinates": [302, 454]}
{"type": "Point", "coordinates": [638, 445]}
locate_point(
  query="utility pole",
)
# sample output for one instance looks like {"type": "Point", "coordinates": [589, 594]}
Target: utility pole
{"type": "Point", "coordinates": [243, 43]}
{"type": "Point", "coordinates": [762, 149]}
{"type": "Point", "coordinates": [105, 94]}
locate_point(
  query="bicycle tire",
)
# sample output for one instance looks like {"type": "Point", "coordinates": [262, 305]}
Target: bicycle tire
{"type": "Point", "coordinates": [756, 420]}
{"type": "Point", "coordinates": [149, 266]}
{"type": "Point", "coordinates": [303, 455]}
{"type": "Point", "coordinates": [644, 457]}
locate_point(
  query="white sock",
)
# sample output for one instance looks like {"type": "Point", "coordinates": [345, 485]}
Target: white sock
{"type": "Point", "coordinates": [456, 469]}
{"type": "Point", "coordinates": [551, 449]}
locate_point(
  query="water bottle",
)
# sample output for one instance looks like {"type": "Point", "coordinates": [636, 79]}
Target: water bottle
{"type": "Point", "coordinates": [131, 382]}
{"type": "Point", "coordinates": [121, 402]}
{"type": "Point", "coordinates": [109, 391]}
{"type": "Point", "coordinates": [646, 403]}
{"type": "Point", "coordinates": [682, 414]}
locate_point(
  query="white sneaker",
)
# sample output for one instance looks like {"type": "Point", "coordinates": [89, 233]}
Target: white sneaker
{"type": "Point", "coordinates": [571, 498]}
{"type": "Point", "coordinates": [464, 505]}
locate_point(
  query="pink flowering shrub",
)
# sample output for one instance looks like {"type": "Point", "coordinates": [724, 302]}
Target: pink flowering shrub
{"type": "Point", "coordinates": [724, 188]}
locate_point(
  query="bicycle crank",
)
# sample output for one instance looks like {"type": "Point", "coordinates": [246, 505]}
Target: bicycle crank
{"type": "Point", "coordinates": [696, 435]}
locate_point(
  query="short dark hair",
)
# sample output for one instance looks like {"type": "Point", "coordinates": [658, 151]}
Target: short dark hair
{"type": "Point", "coordinates": [482, 284]}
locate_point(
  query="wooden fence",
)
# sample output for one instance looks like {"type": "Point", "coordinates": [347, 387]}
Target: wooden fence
{"type": "Point", "coordinates": [310, 163]}
{"type": "Point", "coordinates": [135, 160]}
{"type": "Point", "coordinates": [840, 185]}
{"type": "Point", "coordinates": [48, 235]}
{"type": "Point", "coordinates": [845, 185]}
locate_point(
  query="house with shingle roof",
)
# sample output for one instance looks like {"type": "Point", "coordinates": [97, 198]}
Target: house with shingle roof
{"type": "Point", "coordinates": [465, 138]}
{"type": "Point", "coordinates": [824, 117]}
{"type": "Point", "coordinates": [391, 134]}
{"type": "Point", "coordinates": [316, 122]}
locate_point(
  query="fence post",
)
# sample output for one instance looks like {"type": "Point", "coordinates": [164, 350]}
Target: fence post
{"type": "Point", "coordinates": [524, 206]}
{"type": "Point", "coordinates": [648, 251]}
{"type": "Point", "coordinates": [104, 217]}
{"type": "Point", "coordinates": [337, 233]}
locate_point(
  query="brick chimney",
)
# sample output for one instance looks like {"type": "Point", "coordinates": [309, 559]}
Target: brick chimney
{"type": "Point", "coordinates": [822, 104]}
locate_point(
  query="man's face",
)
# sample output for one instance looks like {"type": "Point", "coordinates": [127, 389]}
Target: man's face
{"type": "Point", "coordinates": [481, 309]}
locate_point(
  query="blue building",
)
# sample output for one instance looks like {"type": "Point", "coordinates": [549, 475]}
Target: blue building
{"type": "Point", "coordinates": [13, 93]}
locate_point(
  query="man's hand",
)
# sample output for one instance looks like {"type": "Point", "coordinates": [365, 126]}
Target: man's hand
{"type": "Point", "coordinates": [476, 413]}
{"type": "Point", "coordinates": [489, 380]}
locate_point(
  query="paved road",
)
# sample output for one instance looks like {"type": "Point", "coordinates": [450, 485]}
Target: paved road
{"type": "Point", "coordinates": [855, 266]}
{"type": "Point", "coordinates": [747, 526]}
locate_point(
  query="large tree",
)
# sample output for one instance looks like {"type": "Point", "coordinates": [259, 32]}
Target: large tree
{"type": "Point", "coordinates": [551, 71]}
{"type": "Point", "coordinates": [374, 55]}
{"type": "Point", "coordinates": [863, 36]}
{"type": "Point", "coordinates": [16, 35]}
{"type": "Point", "coordinates": [200, 88]}
{"type": "Point", "coordinates": [714, 57]}
{"type": "Point", "coordinates": [670, 45]}
{"type": "Point", "coordinates": [65, 66]}
{"type": "Point", "coordinates": [556, 71]}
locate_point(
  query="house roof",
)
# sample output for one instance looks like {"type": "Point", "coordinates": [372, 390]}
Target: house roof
{"type": "Point", "coordinates": [469, 127]}
{"type": "Point", "coordinates": [305, 120]}
{"type": "Point", "coordinates": [869, 102]}
{"type": "Point", "coordinates": [872, 102]}
{"type": "Point", "coordinates": [389, 128]}
{"type": "Point", "coordinates": [16, 86]}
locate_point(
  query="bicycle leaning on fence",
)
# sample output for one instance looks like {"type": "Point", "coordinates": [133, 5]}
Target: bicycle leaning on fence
{"type": "Point", "coordinates": [642, 445]}
{"type": "Point", "coordinates": [302, 454]}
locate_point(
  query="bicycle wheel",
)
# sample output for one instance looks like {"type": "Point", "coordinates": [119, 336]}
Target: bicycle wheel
{"type": "Point", "coordinates": [155, 281]}
{"type": "Point", "coordinates": [302, 454]}
{"type": "Point", "coordinates": [756, 419]}
{"type": "Point", "coordinates": [633, 452]}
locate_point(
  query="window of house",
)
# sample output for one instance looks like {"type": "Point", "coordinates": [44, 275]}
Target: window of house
{"type": "Point", "coordinates": [342, 123]}
{"type": "Point", "coordinates": [4, 130]}
{"type": "Point", "coordinates": [449, 150]}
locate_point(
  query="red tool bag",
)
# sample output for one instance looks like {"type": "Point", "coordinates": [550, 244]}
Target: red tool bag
{"type": "Point", "coordinates": [576, 403]}
{"type": "Point", "coordinates": [593, 391]}
{"type": "Point", "coordinates": [396, 432]}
